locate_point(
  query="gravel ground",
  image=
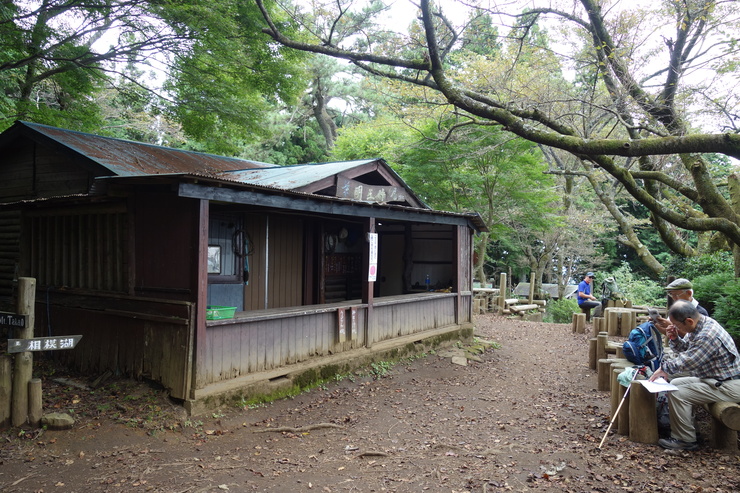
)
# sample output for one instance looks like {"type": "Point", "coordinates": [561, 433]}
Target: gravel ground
{"type": "Point", "coordinates": [525, 417]}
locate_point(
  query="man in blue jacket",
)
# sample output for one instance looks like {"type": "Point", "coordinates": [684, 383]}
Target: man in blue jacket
{"type": "Point", "coordinates": [586, 301]}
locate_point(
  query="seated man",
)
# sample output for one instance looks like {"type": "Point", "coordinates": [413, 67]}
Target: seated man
{"type": "Point", "coordinates": [586, 301]}
{"type": "Point", "coordinates": [679, 289]}
{"type": "Point", "coordinates": [682, 289]}
{"type": "Point", "coordinates": [706, 352]}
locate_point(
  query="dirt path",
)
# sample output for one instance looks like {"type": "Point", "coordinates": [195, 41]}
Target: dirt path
{"type": "Point", "coordinates": [526, 417]}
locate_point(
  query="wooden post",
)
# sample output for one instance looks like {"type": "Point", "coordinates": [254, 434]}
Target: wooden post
{"type": "Point", "coordinates": [603, 367]}
{"type": "Point", "coordinates": [6, 385]}
{"type": "Point", "coordinates": [531, 288]}
{"type": "Point", "coordinates": [598, 325]}
{"type": "Point", "coordinates": [617, 367]}
{"type": "Point", "coordinates": [643, 417]}
{"type": "Point", "coordinates": [628, 322]}
{"type": "Point", "coordinates": [725, 423]}
{"type": "Point", "coordinates": [502, 293]}
{"type": "Point", "coordinates": [23, 361]}
{"type": "Point", "coordinates": [35, 403]}
{"type": "Point", "coordinates": [579, 323]}
{"type": "Point", "coordinates": [612, 322]}
{"type": "Point", "coordinates": [601, 341]}
{"type": "Point", "coordinates": [592, 353]}
{"type": "Point", "coordinates": [623, 420]}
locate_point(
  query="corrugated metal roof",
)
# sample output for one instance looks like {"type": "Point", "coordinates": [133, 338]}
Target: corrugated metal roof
{"type": "Point", "coordinates": [291, 177]}
{"type": "Point", "coordinates": [130, 158]}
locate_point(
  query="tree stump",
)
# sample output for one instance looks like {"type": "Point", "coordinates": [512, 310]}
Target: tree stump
{"type": "Point", "coordinates": [604, 374]}
{"type": "Point", "coordinates": [601, 342]}
{"type": "Point", "coordinates": [579, 323]}
{"type": "Point", "coordinates": [592, 353]}
{"type": "Point", "coordinates": [725, 423]}
{"type": "Point", "coordinates": [598, 325]}
{"type": "Point", "coordinates": [623, 420]}
{"type": "Point", "coordinates": [6, 386]}
{"type": "Point", "coordinates": [643, 418]}
{"type": "Point", "coordinates": [35, 402]}
{"type": "Point", "coordinates": [617, 367]}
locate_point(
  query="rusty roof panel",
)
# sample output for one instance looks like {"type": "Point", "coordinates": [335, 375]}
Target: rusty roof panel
{"type": "Point", "coordinates": [292, 177]}
{"type": "Point", "coordinates": [130, 158]}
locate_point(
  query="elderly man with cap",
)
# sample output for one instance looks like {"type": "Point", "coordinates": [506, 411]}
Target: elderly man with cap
{"type": "Point", "coordinates": [709, 365]}
{"type": "Point", "coordinates": [681, 289]}
{"type": "Point", "coordinates": [586, 301]}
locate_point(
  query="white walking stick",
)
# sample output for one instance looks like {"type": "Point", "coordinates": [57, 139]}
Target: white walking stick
{"type": "Point", "coordinates": [616, 413]}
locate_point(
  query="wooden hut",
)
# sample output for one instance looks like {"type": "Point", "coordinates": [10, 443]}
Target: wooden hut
{"type": "Point", "coordinates": [133, 245]}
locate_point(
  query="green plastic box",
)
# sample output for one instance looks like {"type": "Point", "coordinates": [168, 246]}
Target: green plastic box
{"type": "Point", "coordinates": [215, 312]}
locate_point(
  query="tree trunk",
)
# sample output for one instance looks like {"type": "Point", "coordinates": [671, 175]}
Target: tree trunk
{"type": "Point", "coordinates": [733, 184]}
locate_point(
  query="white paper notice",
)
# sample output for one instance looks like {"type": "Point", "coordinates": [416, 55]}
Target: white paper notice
{"type": "Point", "coordinates": [659, 385]}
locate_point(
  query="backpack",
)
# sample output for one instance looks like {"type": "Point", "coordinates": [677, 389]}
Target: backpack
{"type": "Point", "coordinates": [644, 346]}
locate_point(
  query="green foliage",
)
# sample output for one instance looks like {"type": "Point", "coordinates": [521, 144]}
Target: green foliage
{"type": "Point", "coordinates": [693, 267]}
{"type": "Point", "coordinates": [727, 307]}
{"type": "Point", "coordinates": [639, 289]}
{"type": "Point", "coordinates": [561, 311]}
{"type": "Point", "coordinates": [710, 289]}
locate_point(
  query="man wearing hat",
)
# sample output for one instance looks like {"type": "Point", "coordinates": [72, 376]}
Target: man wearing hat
{"type": "Point", "coordinates": [586, 301]}
{"type": "Point", "coordinates": [681, 289]}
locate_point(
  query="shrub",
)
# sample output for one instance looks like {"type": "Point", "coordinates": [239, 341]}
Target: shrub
{"type": "Point", "coordinates": [727, 307]}
{"type": "Point", "coordinates": [640, 290]}
{"type": "Point", "coordinates": [561, 311]}
{"type": "Point", "coordinates": [709, 289]}
{"type": "Point", "coordinates": [701, 265]}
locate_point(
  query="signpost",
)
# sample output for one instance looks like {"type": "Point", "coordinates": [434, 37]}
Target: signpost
{"type": "Point", "coordinates": [13, 320]}
{"type": "Point", "coordinates": [43, 343]}
{"type": "Point", "coordinates": [20, 394]}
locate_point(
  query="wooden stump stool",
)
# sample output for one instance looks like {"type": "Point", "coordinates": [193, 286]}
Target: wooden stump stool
{"type": "Point", "coordinates": [579, 323]}
{"type": "Point", "coordinates": [643, 418]}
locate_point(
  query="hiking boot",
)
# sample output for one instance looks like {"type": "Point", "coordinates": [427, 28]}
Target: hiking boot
{"type": "Point", "coordinates": [676, 444]}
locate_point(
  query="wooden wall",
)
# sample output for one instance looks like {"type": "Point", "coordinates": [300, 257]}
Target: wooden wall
{"type": "Point", "coordinates": [135, 337]}
{"type": "Point", "coordinates": [399, 316]}
{"type": "Point", "coordinates": [275, 274]}
{"type": "Point", "coordinates": [166, 241]}
{"type": "Point", "coordinates": [273, 339]}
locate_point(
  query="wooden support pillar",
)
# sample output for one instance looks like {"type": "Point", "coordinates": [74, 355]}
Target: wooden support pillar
{"type": "Point", "coordinates": [502, 293]}
{"type": "Point", "coordinates": [603, 367]}
{"type": "Point", "coordinates": [643, 418]}
{"type": "Point", "coordinates": [617, 367]}
{"type": "Point", "coordinates": [531, 287]}
{"type": "Point", "coordinates": [598, 325]}
{"type": "Point", "coordinates": [23, 370]}
{"type": "Point", "coordinates": [35, 402]}
{"type": "Point", "coordinates": [592, 353]}
{"type": "Point", "coordinates": [601, 342]}
{"type": "Point", "coordinates": [6, 386]}
{"type": "Point", "coordinates": [579, 323]}
{"type": "Point", "coordinates": [612, 322]}
{"type": "Point", "coordinates": [627, 323]}
{"type": "Point", "coordinates": [619, 353]}
{"type": "Point", "coordinates": [623, 420]}
{"type": "Point", "coordinates": [725, 423]}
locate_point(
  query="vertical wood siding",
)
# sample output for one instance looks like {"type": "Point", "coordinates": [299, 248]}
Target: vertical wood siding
{"type": "Point", "coordinates": [241, 346]}
{"type": "Point", "coordinates": [133, 337]}
{"type": "Point", "coordinates": [79, 250]}
{"type": "Point", "coordinates": [238, 347]}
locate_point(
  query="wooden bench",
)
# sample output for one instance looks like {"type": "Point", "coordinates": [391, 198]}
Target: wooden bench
{"type": "Point", "coordinates": [725, 424]}
{"type": "Point", "coordinates": [725, 420]}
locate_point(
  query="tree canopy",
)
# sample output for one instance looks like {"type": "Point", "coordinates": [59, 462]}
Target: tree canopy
{"type": "Point", "coordinates": [629, 111]}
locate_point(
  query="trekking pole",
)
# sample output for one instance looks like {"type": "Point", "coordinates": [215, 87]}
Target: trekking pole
{"type": "Point", "coordinates": [616, 413]}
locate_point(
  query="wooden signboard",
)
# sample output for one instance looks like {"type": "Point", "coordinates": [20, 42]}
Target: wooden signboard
{"type": "Point", "coordinates": [43, 343]}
